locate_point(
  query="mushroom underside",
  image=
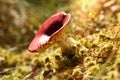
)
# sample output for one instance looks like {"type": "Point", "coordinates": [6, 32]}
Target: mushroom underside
{"type": "Point", "coordinates": [53, 27]}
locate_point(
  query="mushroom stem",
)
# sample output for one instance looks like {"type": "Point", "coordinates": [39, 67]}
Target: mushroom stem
{"type": "Point", "coordinates": [66, 42]}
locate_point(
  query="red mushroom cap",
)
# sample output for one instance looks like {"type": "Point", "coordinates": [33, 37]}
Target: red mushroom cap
{"type": "Point", "coordinates": [50, 29]}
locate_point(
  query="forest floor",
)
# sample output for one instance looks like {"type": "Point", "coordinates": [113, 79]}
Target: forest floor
{"type": "Point", "coordinates": [95, 26]}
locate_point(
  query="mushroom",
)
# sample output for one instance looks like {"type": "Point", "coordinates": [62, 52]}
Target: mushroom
{"type": "Point", "coordinates": [52, 31]}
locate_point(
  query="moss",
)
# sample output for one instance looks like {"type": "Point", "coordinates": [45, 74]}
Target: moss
{"type": "Point", "coordinates": [94, 56]}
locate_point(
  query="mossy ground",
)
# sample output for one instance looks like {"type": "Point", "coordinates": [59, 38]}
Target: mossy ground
{"type": "Point", "coordinates": [95, 26]}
